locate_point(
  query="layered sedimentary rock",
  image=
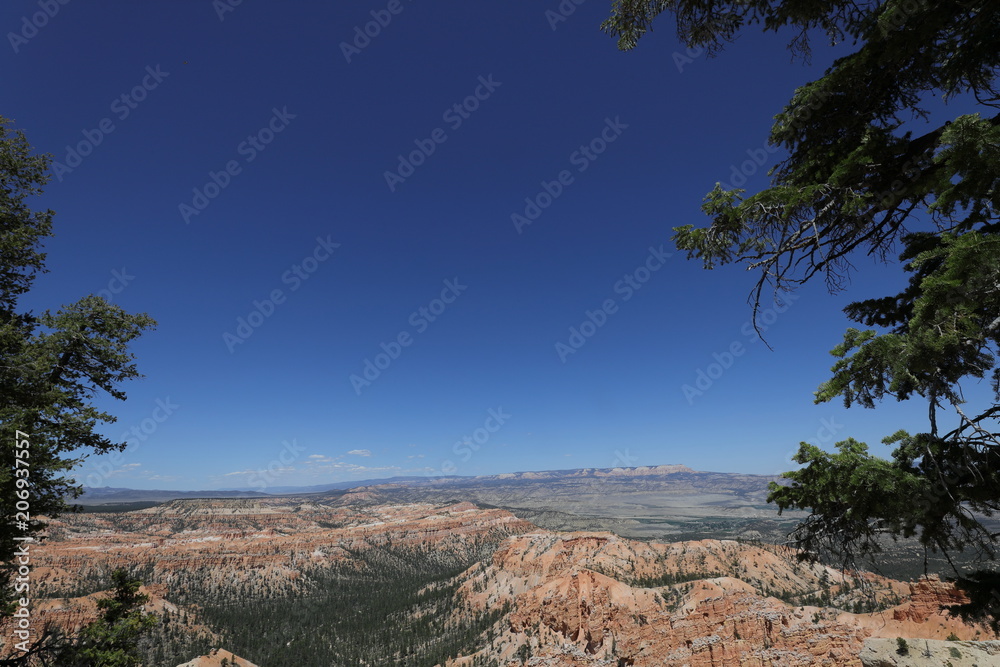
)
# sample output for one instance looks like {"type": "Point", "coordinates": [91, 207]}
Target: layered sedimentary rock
{"type": "Point", "coordinates": [566, 598]}
{"type": "Point", "coordinates": [592, 599]}
{"type": "Point", "coordinates": [257, 547]}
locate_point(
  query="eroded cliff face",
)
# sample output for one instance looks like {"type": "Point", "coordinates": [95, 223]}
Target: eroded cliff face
{"type": "Point", "coordinates": [259, 545]}
{"type": "Point", "coordinates": [255, 549]}
{"type": "Point", "coordinates": [72, 613]}
{"type": "Point", "coordinates": [566, 598]}
{"type": "Point", "coordinates": [587, 599]}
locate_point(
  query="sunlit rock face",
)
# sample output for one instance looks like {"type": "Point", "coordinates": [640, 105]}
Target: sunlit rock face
{"type": "Point", "coordinates": [578, 598]}
{"type": "Point", "coordinates": [593, 599]}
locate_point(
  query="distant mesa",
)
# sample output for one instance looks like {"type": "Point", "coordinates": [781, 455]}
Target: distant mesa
{"type": "Point", "coordinates": [97, 496]}
{"type": "Point", "coordinates": [640, 471]}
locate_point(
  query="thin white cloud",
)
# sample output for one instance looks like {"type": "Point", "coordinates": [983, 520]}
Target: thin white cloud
{"type": "Point", "coordinates": [124, 470]}
{"type": "Point", "coordinates": [360, 452]}
{"type": "Point", "coordinates": [268, 471]}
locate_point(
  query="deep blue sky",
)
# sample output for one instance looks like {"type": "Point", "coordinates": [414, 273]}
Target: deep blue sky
{"type": "Point", "coordinates": [618, 400]}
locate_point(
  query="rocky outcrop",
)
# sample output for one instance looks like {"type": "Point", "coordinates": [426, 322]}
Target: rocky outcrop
{"type": "Point", "coordinates": [926, 599]}
{"type": "Point", "coordinates": [598, 599]}
{"type": "Point", "coordinates": [215, 659]}
{"type": "Point", "coordinates": [930, 653]}
{"type": "Point", "coordinates": [922, 614]}
{"type": "Point", "coordinates": [579, 598]}
{"type": "Point", "coordinates": [586, 616]}
{"type": "Point", "coordinates": [72, 614]}
{"type": "Point", "coordinates": [259, 546]}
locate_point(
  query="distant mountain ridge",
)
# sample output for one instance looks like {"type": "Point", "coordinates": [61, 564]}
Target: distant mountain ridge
{"type": "Point", "coordinates": [110, 495]}
{"type": "Point", "coordinates": [644, 502]}
{"type": "Point", "coordinates": [104, 495]}
{"type": "Point", "coordinates": [665, 502]}
{"type": "Point", "coordinates": [638, 471]}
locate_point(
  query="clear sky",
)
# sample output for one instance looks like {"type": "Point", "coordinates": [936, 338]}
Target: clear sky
{"type": "Point", "coordinates": [291, 198]}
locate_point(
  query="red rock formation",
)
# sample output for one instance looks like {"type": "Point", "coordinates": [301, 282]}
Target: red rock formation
{"type": "Point", "coordinates": [257, 545]}
{"type": "Point", "coordinates": [927, 597]}
{"type": "Point", "coordinates": [566, 613]}
{"type": "Point", "coordinates": [574, 599]}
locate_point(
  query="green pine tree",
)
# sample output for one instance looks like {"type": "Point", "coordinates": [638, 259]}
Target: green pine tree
{"type": "Point", "coordinates": [856, 179]}
{"type": "Point", "coordinates": [52, 364]}
{"type": "Point", "coordinates": [112, 640]}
